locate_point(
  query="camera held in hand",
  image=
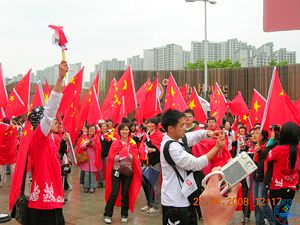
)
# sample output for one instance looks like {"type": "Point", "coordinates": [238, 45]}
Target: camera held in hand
{"type": "Point", "coordinates": [275, 127]}
{"type": "Point", "coordinates": [248, 135]}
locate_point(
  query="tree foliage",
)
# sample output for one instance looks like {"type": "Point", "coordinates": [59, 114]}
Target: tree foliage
{"type": "Point", "coordinates": [273, 63]}
{"type": "Point", "coordinates": [227, 63]}
{"type": "Point", "coordinates": [102, 85]}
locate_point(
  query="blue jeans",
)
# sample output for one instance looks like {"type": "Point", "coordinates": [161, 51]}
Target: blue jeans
{"type": "Point", "coordinates": [262, 209]}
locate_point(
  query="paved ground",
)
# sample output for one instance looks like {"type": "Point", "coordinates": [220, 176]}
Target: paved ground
{"type": "Point", "coordinates": [85, 208]}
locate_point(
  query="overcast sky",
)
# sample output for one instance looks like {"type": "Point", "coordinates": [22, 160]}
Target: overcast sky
{"type": "Point", "coordinates": [101, 30]}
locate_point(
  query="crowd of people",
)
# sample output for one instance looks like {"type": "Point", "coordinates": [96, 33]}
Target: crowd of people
{"type": "Point", "coordinates": [173, 146]}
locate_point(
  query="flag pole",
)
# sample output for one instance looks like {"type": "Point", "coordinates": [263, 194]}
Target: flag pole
{"type": "Point", "coordinates": [64, 58]}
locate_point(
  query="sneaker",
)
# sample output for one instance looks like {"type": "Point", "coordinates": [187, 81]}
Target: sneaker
{"type": "Point", "coordinates": [124, 220]}
{"type": "Point", "coordinates": [86, 190]}
{"type": "Point", "coordinates": [81, 185]}
{"type": "Point", "coordinates": [100, 186]}
{"type": "Point", "coordinates": [152, 210]}
{"type": "Point", "coordinates": [145, 208]}
{"type": "Point", "coordinates": [246, 220]}
{"type": "Point", "coordinates": [107, 219]}
{"type": "Point", "coordinates": [92, 191]}
{"type": "Point", "coordinates": [69, 189]}
{"type": "Point", "coordinates": [266, 221]}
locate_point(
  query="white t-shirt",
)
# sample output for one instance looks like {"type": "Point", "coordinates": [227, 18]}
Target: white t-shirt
{"type": "Point", "coordinates": [232, 135]}
{"type": "Point", "coordinates": [171, 194]}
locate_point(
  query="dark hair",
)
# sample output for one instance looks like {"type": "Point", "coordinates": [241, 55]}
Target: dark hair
{"type": "Point", "coordinates": [87, 126]}
{"type": "Point", "coordinates": [153, 120]}
{"type": "Point", "coordinates": [103, 124]}
{"type": "Point", "coordinates": [15, 119]}
{"type": "Point", "coordinates": [239, 124]}
{"type": "Point", "coordinates": [109, 120]}
{"type": "Point", "coordinates": [133, 120]}
{"type": "Point", "coordinates": [116, 125]}
{"type": "Point", "coordinates": [190, 111]}
{"type": "Point", "coordinates": [92, 125]}
{"type": "Point", "coordinates": [122, 126]}
{"type": "Point", "coordinates": [289, 135]}
{"type": "Point", "coordinates": [257, 124]}
{"type": "Point", "coordinates": [19, 117]}
{"type": "Point", "coordinates": [170, 118]}
{"type": "Point", "coordinates": [196, 122]}
{"type": "Point", "coordinates": [243, 127]}
{"type": "Point", "coordinates": [211, 118]}
{"type": "Point", "coordinates": [131, 125]}
{"type": "Point", "coordinates": [265, 135]}
{"type": "Point", "coordinates": [125, 120]}
{"type": "Point", "coordinates": [229, 132]}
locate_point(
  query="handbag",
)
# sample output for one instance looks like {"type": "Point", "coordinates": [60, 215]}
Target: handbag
{"type": "Point", "coordinates": [20, 208]}
{"type": "Point", "coordinates": [82, 157]}
{"type": "Point", "coordinates": [124, 170]}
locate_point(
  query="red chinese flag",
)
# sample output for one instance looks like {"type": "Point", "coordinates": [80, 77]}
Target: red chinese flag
{"type": "Point", "coordinates": [113, 83]}
{"type": "Point", "coordinates": [279, 108]}
{"type": "Point", "coordinates": [124, 87]}
{"type": "Point", "coordinates": [140, 94]}
{"type": "Point", "coordinates": [94, 111]}
{"type": "Point", "coordinates": [218, 105]}
{"type": "Point", "coordinates": [297, 104]}
{"type": "Point", "coordinates": [47, 91]}
{"type": "Point", "coordinates": [238, 106]}
{"type": "Point", "coordinates": [3, 93]}
{"type": "Point", "coordinates": [85, 104]}
{"type": "Point", "coordinates": [150, 105]}
{"type": "Point", "coordinates": [183, 92]}
{"type": "Point", "coordinates": [71, 117]}
{"type": "Point", "coordinates": [15, 188]}
{"type": "Point", "coordinates": [71, 89]}
{"type": "Point", "coordinates": [257, 108]}
{"type": "Point", "coordinates": [217, 99]}
{"type": "Point", "coordinates": [18, 100]}
{"type": "Point", "coordinates": [195, 104]}
{"type": "Point", "coordinates": [173, 98]}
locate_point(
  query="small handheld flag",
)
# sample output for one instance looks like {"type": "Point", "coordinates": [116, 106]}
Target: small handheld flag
{"type": "Point", "coordinates": [59, 39]}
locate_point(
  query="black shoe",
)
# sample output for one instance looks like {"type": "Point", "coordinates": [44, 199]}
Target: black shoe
{"type": "Point", "coordinates": [100, 186]}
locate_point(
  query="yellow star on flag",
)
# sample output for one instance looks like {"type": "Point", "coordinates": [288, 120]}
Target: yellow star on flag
{"type": "Point", "coordinates": [215, 113]}
{"type": "Point", "coordinates": [90, 92]}
{"type": "Point", "coordinates": [116, 88]}
{"type": "Point", "coordinates": [173, 104]}
{"type": "Point", "coordinates": [25, 132]}
{"type": "Point", "coordinates": [90, 99]}
{"type": "Point", "coordinates": [46, 97]}
{"type": "Point", "coordinates": [125, 85]}
{"type": "Point", "coordinates": [10, 132]}
{"type": "Point", "coordinates": [256, 106]}
{"type": "Point", "coordinates": [149, 89]}
{"type": "Point", "coordinates": [281, 93]}
{"type": "Point", "coordinates": [11, 98]}
{"type": "Point", "coordinates": [5, 133]}
{"type": "Point", "coordinates": [31, 128]}
{"type": "Point", "coordinates": [192, 104]}
{"type": "Point", "coordinates": [172, 91]}
{"type": "Point", "coordinates": [166, 100]}
{"type": "Point", "coordinates": [73, 80]}
{"type": "Point", "coordinates": [245, 117]}
{"type": "Point", "coordinates": [218, 92]}
{"type": "Point", "coordinates": [256, 118]}
{"type": "Point", "coordinates": [115, 96]}
{"type": "Point", "coordinates": [132, 141]}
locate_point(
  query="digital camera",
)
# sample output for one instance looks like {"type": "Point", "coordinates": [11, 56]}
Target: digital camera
{"type": "Point", "coordinates": [275, 127]}
{"type": "Point", "coordinates": [236, 170]}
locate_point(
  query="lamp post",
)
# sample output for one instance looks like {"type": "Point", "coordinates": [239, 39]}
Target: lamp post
{"type": "Point", "coordinates": [205, 43]}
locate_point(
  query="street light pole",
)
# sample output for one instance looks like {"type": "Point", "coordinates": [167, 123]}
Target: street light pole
{"type": "Point", "coordinates": [205, 54]}
{"type": "Point", "coordinates": [205, 45]}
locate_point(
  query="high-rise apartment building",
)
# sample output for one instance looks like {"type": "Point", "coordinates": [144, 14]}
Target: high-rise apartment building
{"type": "Point", "coordinates": [282, 55]}
{"type": "Point", "coordinates": [73, 70]}
{"type": "Point", "coordinates": [136, 62]}
{"type": "Point", "coordinates": [113, 64]}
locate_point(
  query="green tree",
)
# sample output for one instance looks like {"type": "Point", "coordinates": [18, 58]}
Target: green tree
{"type": "Point", "coordinates": [227, 63]}
{"type": "Point", "coordinates": [102, 85]}
{"type": "Point", "coordinates": [274, 63]}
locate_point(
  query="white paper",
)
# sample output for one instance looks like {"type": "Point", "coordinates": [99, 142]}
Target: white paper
{"type": "Point", "coordinates": [189, 185]}
{"type": "Point", "coordinates": [72, 153]}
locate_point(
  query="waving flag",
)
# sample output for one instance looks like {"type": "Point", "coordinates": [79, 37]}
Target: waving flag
{"type": "Point", "coordinates": [218, 105]}
{"type": "Point", "coordinates": [195, 104]}
{"type": "Point", "coordinates": [47, 91]}
{"type": "Point", "coordinates": [150, 106]}
{"type": "Point", "coordinates": [183, 92]}
{"type": "Point", "coordinates": [140, 94]}
{"type": "Point", "coordinates": [257, 108]}
{"type": "Point", "coordinates": [15, 188]}
{"type": "Point", "coordinates": [3, 93]}
{"type": "Point", "coordinates": [173, 98]}
{"type": "Point", "coordinates": [125, 87]}
{"type": "Point", "coordinates": [59, 37]}
{"type": "Point", "coordinates": [85, 105]}
{"type": "Point", "coordinates": [279, 108]}
{"type": "Point", "coordinates": [18, 100]}
{"type": "Point", "coordinates": [113, 83]}
{"type": "Point", "coordinates": [74, 86]}
{"type": "Point", "coordinates": [238, 106]}
{"type": "Point", "coordinates": [94, 112]}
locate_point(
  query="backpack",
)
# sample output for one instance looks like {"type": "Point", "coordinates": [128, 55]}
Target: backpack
{"type": "Point", "coordinates": [198, 175]}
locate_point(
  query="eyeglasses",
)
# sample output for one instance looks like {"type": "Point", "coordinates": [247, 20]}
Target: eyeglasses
{"type": "Point", "coordinates": [189, 116]}
{"type": "Point", "coordinates": [181, 126]}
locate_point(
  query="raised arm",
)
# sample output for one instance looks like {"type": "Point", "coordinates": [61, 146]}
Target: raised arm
{"type": "Point", "coordinates": [54, 100]}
